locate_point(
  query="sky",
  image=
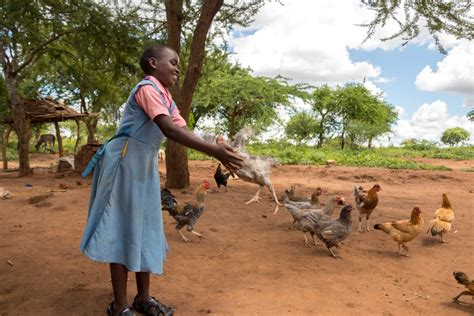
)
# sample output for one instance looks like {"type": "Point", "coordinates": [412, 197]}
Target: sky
{"type": "Point", "coordinates": [319, 42]}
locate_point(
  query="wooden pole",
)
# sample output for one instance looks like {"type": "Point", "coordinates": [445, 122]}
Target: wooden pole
{"type": "Point", "coordinates": [78, 138]}
{"type": "Point", "coordinates": [60, 140]}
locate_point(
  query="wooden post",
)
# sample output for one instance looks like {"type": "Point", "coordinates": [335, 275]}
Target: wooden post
{"type": "Point", "coordinates": [60, 140]}
{"type": "Point", "coordinates": [78, 138]}
{"type": "Point", "coordinates": [5, 136]}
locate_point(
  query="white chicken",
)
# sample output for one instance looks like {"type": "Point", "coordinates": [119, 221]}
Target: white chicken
{"type": "Point", "coordinates": [254, 169]}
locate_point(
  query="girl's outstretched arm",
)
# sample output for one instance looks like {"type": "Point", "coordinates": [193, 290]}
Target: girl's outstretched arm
{"type": "Point", "coordinates": [223, 152]}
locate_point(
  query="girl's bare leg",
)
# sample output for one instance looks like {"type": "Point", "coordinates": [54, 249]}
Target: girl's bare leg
{"type": "Point", "coordinates": [143, 285]}
{"type": "Point", "coordinates": [119, 274]}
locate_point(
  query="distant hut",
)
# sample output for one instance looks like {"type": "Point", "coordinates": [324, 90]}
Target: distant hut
{"type": "Point", "coordinates": [45, 110]}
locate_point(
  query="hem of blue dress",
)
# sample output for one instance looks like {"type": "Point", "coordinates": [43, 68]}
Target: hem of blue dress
{"type": "Point", "coordinates": [123, 263]}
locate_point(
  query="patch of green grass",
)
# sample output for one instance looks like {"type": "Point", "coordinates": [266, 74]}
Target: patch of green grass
{"type": "Point", "coordinates": [390, 158]}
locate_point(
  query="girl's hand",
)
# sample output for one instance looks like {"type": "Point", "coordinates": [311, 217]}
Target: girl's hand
{"type": "Point", "coordinates": [226, 154]}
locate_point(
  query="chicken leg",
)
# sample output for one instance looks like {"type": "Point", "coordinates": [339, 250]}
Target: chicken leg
{"type": "Point", "coordinates": [400, 253]}
{"type": "Point", "coordinates": [197, 234]}
{"type": "Point", "coordinates": [333, 254]}
{"type": "Point", "coordinates": [456, 299]}
{"type": "Point", "coordinates": [184, 238]}
{"type": "Point", "coordinates": [256, 197]}
{"type": "Point", "coordinates": [272, 191]}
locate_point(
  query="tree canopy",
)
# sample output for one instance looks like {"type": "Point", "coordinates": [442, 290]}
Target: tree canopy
{"type": "Point", "coordinates": [450, 17]}
{"type": "Point", "coordinates": [454, 136]}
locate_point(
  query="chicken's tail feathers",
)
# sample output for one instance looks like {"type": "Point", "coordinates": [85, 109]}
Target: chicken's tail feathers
{"type": "Point", "coordinates": [356, 192]}
{"type": "Point", "coordinates": [383, 227]}
{"type": "Point", "coordinates": [168, 201]}
{"type": "Point", "coordinates": [438, 226]}
{"type": "Point", "coordinates": [461, 278]}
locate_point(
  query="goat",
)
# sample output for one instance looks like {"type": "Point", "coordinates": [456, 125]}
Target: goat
{"type": "Point", "coordinates": [45, 139]}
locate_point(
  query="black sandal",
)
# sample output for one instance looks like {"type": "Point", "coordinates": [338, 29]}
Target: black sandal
{"type": "Point", "coordinates": [152, 307]}
{"type": "Point", "coordinates": [127, 311]}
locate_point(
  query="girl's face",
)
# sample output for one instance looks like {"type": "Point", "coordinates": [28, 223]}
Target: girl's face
{"type": "Point", "coordinates": [166, 69]}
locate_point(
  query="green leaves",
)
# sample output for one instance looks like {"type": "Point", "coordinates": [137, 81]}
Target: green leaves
{"type": "Point", "coordinates": [454, 136]}
{"type": "Point", "coordinates": [235, 98]}
{"type": "Point", "coordinates": [450, 17]}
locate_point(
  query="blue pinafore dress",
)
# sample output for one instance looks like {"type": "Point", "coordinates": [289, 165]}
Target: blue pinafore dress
{"type": "Point", "coordinates": [125, 223]}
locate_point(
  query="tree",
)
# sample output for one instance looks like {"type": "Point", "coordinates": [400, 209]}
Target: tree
{"type": "Point", "coordinates": [470, 115]}
{"type": "Point", "coordinates": [96, 77]}
{"type": "Point", "coordinates": [28, 31]}
{"type": "Point", "coordinates": [454, 136]}
{"type": "Point", "coordinates": [184, 18]}
{"type": "Point", "coordinates": [360, 131]}
{"type": "Point", "coordinates": [356, 103]}
{"type": "Point", "coordinates": [302, 127]}
{"type": "Point", "coordinates": [323, 102]}
{"type": "Point", "coordinates": [235, 98]}
{"type": "Point", "coordinates": [451, 17]}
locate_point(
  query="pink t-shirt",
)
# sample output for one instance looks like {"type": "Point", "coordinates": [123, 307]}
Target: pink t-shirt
{"type": "Point", "coordinates": [150, 101]}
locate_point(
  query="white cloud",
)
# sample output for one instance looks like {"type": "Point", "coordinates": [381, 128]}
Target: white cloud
{"type": "Point", "coordinates": [307, 41]}
{"type": "Point", "coordinates": [454, 74]}
{"type": "Point", "coordinates": [429, 122]}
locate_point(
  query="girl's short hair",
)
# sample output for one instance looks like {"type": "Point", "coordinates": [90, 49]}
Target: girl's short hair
{"type": "Point", "coordinates": [153, 51]}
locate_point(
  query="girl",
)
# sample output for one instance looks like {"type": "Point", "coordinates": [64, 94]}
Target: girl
{"type": "Point", "coordinates": [125, 224]}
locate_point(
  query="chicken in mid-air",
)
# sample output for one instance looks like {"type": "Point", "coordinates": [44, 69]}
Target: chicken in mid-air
{"type": "Point", "coordinates": [443, 217]}
{"type": "Point", "coordinates": [254, 169]}
{"type": "Point", "coordinates": [187, 213]}
{"type": "Point", "coordinates": [463, 279]}
{"type": "Point", "coordinates": [365, 204]}
{"type": "Point", "coordinates": [403, 231]}
{"type": "Point", "coordinates": [221, 177]}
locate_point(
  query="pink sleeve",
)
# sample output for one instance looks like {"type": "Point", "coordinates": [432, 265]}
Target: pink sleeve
{"type": "Point", "coordinates": [151, 102]}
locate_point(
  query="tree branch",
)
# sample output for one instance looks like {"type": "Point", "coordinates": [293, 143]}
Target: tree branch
{"type": "Point", "coordinates": [38, 49]}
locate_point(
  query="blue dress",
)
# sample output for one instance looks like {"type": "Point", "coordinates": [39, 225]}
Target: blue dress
{"type": "Point", "coordinates": [125, 223]}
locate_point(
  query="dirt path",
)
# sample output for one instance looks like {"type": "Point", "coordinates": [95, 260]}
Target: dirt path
{"type": "Point", "coordinates": [252, 262]}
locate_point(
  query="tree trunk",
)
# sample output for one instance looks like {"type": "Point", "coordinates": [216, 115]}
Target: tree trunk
{"type": "Point", "coordinates": [343, 135]}
{"type": "Point", "coordinates": [5, 136]}
{"type": "Point", "coordinates": [177, 170]}
{"type": "Point", "coordinates": [370, 143]}
{"type": "Point", "coordinates": [91, 124]}
{"type": "Point", "coordinates": [21, 124]}
{"type": "Point", "coordinates": [60, 140]}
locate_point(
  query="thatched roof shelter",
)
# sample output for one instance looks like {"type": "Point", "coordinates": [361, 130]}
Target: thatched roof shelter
{"type": "Point", "coordinates": [47, 110]}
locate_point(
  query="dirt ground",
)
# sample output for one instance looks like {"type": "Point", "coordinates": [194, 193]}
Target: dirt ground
{"type": "Point", "coordinates": [252, 262]}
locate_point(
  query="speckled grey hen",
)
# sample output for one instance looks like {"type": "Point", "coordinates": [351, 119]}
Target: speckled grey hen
{"type": "Point", "coordinates": [187, 213]}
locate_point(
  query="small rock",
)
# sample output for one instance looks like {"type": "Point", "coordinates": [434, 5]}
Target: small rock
{"type": "Point", "coordinates": [28, 185]}
{"type": "Point", "coordinates": [78, 182]}
{"type": "Point", "coordinates": [59, 175]}
{"type": "Point", "coordinates": [63, 185]}
{"type": "Point", "coordinates": [4, 194]}
{"type": "Point", "coordinates": [65, 164]}
{"type": "Point", "coordinates": [264, 216]}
